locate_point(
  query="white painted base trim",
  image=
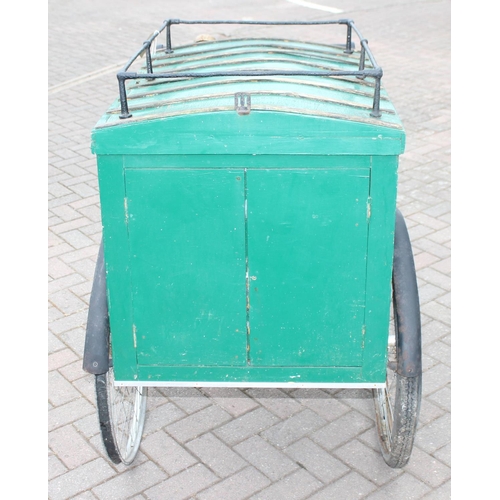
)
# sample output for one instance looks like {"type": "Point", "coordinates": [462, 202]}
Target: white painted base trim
{"type": "Point", "coordinates": [246, 385]}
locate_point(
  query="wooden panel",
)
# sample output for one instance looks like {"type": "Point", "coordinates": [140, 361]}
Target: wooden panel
{"type": "Point", "coordinates": [307, 245]}
{"type": "Point", "coordinates": [187, 246]}
{"type": "Point", "coordinates": [115, 238]}
{"type": "Point", "coordinates": [260, 132]}
{"type": "Point", "coordinates": [379, 268]}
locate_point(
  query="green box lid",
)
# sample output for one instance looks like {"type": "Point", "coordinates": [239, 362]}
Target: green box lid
{"type": "Point", "coordinates": [224, 109]}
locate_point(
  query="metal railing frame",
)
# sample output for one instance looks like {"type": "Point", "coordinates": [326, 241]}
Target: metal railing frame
{"type": "Point", "coordinates": [374, 72]}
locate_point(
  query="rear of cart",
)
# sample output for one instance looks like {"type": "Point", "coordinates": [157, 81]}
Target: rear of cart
{"type": "Point", "coordinates": [250, 231]}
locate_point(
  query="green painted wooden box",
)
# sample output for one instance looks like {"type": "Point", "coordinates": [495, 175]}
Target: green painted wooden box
{"type": "Point", "coordinates": [249, 241]}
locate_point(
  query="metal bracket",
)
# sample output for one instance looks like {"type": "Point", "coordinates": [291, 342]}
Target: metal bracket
{"type": "Point", "coordinates": [242, 103]}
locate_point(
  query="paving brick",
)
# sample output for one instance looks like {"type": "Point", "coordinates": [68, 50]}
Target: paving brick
{"type": "Point", "coordinates": [54, 221]}
{"type": "Point", "coordinates": [352, 485]}
{"type": "Point", "coordinates": [75, 181]}
{"type": "Point", "coordinates": [83, 291]}
{"type": "Point", "coordinates": [429, 412]}
{"type": "Point", "coordinates": [76, 239]}
{"type": "Point", "coordinates": [297, 426]}
{"type": "Point", "coordinates": [64, 153]}
{"type": "Point", "coordinates": [216, 455]}
{"type": "Point", "coordinates": [321, 403]}
{"type": "Point", "coordinates": [265, 457]}
{"type": "Point", "coordinates": [341, 430]}
{"type": "Point", "coordinates": [67, 323]}
{"type": "Point", "coordinates": [75, 338]}
{"type": "Point", "coordinates": [70, 225]}
{"type": "Point", "coordinates": [79, 453]}
{"type": "Point", "coordinates": [83, 253]}
{"type": "Point", "coordinates": [88, 495]}
{"type": "Point", "coordinates": [198, 423]}
{"type": "Point", "coordinates": [53, 315]}
{"type": "Point", "coordinates": [429, 221]}
{"type": "Point", "coordinates": [54, 344]}
{"type": "Point", "coordinates": [68, 413]}
{"type": "Point", "coordinates": [316, 460]}
{"type": "Point", "coordinates": [424, 259]}
{"type": "Point", "coordinates": [233, 400]}
{"type": "Point", "coordinates": [441, 493]}
{"type": "Point", "coordinates": [405, 486]}
{"type": "Point", "coordinates": [65, 282]}
{"type": "Point", "coordinates": [67, 302]}
{"type": "Point", "coordinates": [161, 416]}
{"type": "Point", "coordinates": [435, 277]}
{"type": "Point", "coordinates": [438, 210]}
{"type": "Point", "coordinates": [276, 401]}
{"type": "Point", "coordinates": [437, 311]}
{"type": "Point", "coordinates": [62, 200]}
{"type": "Point", "coordinates": [444, 454]}
{"type": "Point", "coordinates": [236, 487]}
{"type": "Point", "coordinates": [428, 292]}
{"type": "Point", "coordinates": [297, 486]}
{"type": "Point", "coordinates": [83, 189]}
{"type": "Point", "coordinates": [61, 359]}
{"type": "Point", "coordinates": [435, 378]}
{"type": "Point", "coordinates": [434, 435]}
{"type": "Point", "coordinates": [167, 453]}
{"type": "Point", "coordinates": [427, 469]}
{"type": "Point", "coordinates": [183, 485]}
{"type": "Point", "coordinates": [440, 351]}
{"type": "Point", "coordinates": [88, 426]}
{"type": "Point", "coordinates": [360, 400]}
{"type": "Point", "coordinates": [445, 300]}
{"type": "Point", "coordinates": [443, 265]}
{"type": "Point", "coordinates": [60, 390]}
{"type": "Point", "coordinates": [57, 190]}
{"type": "Point", "coordinates": [130, 482]}
{"type": "Point", "coordinates": [371, 439]}
{"type": "Point", "coordinates": [80, 479]}
{"type": "Point", "coordinates": [366, 461]}
{"type": "Point", "coordinates": [58, 250]}
{"type": "Point", "coordinates": [245, 426]}
{"type": "Point", "coordinates": [85, 202]}
{"type": "Point", "coordinates": [92, 212]}
{"type": "Point", "coordinates": [85, 267]}
{"type": "Point", "coordinates": [86, 386]}
{"type": "Point", "coordinates": [433, 331]}
{"type": "Point", "coordinates": [187, 398]}
{"type": "Point", "coordinates": [55, 467]}
{"type": "Point", "coordinates": [66, 212]}
{"type": "Point", "coordinates": [441, 236]}
{"type": "Point", "coordinates": [59, 269]}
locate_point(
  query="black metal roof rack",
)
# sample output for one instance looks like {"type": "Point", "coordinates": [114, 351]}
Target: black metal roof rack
{"type": "Point", "coordinates": [374, 71]}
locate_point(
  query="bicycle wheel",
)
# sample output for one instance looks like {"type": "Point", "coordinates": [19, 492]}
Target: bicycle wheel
{"type": "Point", "coordinates": [122, 412]}
{"type": "Point", "coordinates": [397, 406]}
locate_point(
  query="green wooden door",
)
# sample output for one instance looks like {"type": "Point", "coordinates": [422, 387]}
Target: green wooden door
{"type": "Point", "coordinates": [187, 258]}
{"type": "Point", "coordinates": [248, 267]}
{"type": "Point", "coordinates": [307, 249]}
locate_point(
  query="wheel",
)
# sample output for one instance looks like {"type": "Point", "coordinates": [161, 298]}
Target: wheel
{"type": "Point", "coordinates": [397, 406]}
{"type": "Point", "coordinates": [122, 412]}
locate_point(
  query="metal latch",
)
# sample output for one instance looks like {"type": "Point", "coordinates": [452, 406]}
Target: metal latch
{"type": "Point", "coordinates": [242, 103]}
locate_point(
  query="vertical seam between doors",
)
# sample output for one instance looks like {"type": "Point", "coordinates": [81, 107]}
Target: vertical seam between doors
{"type": "Point", "coordinates": [247, 270]}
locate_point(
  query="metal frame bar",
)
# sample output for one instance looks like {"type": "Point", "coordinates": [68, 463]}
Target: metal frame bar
{"type": "Point", "coordinates": [362, 73]}
{"type": "Point", "coordinates": [247, 385]}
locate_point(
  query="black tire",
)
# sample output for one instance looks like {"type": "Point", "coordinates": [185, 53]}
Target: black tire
{"type": "Point", "coordinates": [122, 412]}
{"type": "Point", "coordinates": [397, 406]}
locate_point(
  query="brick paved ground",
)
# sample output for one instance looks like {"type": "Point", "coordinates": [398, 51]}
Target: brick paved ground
{"type": "Point", "coordinates": [236, 444]}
